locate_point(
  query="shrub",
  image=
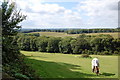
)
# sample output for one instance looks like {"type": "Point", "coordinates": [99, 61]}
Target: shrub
{"type": "Point", "coordinates": [95, 52]}
{"type": "Point", "coordinates": [116, 52]}
{"type": "Point", "coordinates": [18, 70]}
{"type": "Point", "coordinates": [99, 53]}
{"type": "Point", "coordinates": [85, 56]}
{"type": "Point", "coordinates": [21, 76]}
{"type": "Point", "coordinates": [106, 53]}
{"type": "Point", "coordinates": [90, 52]}
{"type": "Point", "coordinates": [83, 52]}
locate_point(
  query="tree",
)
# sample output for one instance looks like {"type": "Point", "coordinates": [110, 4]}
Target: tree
{"type": "Point", "coordinates": [33, 45]}
{"type": "Point", "coordinates": [79, 45]}
{"type": "Point", "coordinates": [96, 44]}
{"type": "Point", "coordinates": [107, 43]}
{"type": "Point", "coordinates": [42, 43]}
{"type": "Point", "coordinates": [53, 45]}
{"type": "Point", "coordinates": [73, 46]}
{"type": "Point", "coordinates": [64, 45]}
{"type": "Point", "coordinates": [82, 36]}
{"type": "Point", "coordinates": [116, 45]}
{"type": "Point", "coordinates": [10, 20]}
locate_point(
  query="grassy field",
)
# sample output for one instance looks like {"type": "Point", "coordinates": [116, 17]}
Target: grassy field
{"type": "Point", "coordinates": [58, 34]}
{"type": "Point", "coordinates": [60, 65]}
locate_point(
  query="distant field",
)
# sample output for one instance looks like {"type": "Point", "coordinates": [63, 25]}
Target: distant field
{"type": "Point", "coordinates": [59, 34]}
{"type": "Point", "coordinates": [57, 65]}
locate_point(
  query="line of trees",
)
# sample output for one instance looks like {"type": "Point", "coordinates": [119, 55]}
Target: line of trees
{"type": "Point", "coordinates": [84, 44]}
{"type": "Point", "coordinates": [71, 31]}
{"type": "Point", "coordinates": [78, 31]}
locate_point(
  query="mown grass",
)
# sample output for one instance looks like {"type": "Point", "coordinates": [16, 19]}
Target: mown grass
{"type": "Point", "coordinates": [60, 34]}
{"type": "Point", "coordinates": [57, 65]}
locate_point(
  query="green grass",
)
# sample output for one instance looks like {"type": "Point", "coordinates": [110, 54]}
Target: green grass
{"type": "Point", "coordinates": [60, 65]}
{"type": "Point", "coordinates": [60, 34]}
{"type": "Point", "coordinates": [57, 34]}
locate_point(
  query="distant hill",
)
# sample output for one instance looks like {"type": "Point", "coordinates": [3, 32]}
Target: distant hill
{"type": "Point", "coordinates": [62, 34]}
{"type": "Point", "coordinates": [70, 31]}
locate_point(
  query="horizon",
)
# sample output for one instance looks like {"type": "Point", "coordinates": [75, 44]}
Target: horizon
{"type": "Point", "coordinates": [68, 28]}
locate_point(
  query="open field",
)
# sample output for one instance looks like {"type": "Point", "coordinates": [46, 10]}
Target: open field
{"type": "Point", "coordinates": [57, 65]}
{"type": "Point", "coordinates": [60, 34]}
{"type": "Point", "coordinates": [57, 34]}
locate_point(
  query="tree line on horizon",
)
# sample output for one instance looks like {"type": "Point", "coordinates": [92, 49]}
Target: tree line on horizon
{"type": "Point", "coordinates": [84, 44]}
{"type": "Point", "coordinates": [70, 31]}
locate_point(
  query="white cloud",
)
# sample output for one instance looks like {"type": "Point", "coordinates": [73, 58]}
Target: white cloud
{"type": "Point", "coordinates": [48, 15]}
{"type": "Point", "coordinates": [101, 13]}
{"type": "Point", "coordinates": [89, 14]}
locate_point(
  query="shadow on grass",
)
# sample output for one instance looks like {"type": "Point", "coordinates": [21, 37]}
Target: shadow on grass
{"type": "Point", "coordinates": [107, 74]}
{"type": "Point", "coordinates": [47, 69]}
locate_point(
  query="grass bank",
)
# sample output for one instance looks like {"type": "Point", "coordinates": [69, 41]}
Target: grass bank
{"type": "Point", "coordinates": [51, 65]}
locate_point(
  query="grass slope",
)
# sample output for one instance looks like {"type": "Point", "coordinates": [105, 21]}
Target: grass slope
{"type": "Point", "coordinates": [70, 66]}
{"type": "Point", "coordinates": [60, 34]}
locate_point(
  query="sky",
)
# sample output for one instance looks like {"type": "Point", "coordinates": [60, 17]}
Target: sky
{"type": "Point", "coordinates": [85, 14]}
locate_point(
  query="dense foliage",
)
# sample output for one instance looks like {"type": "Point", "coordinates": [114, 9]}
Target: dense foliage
{"type": "Point", "coordinates": [13, 65]}
{"type": "Point", "coordinates": [84, 44]}
{"type": "Point", "coordinates": [10, 20]}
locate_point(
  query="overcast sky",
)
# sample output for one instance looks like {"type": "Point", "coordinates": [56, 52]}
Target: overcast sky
{"type": "Point", "coordinates": [69, 13]}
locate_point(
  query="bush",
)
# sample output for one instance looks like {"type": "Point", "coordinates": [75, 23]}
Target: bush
{"type": "Point", "coordinates": [18, 70]}
{"type": "Point", "coordinates": [85, 56]}
{"type": "Point", "coordinates": [95, 52]}
{"type": "Point", "coordinates": [21, 76]}
{"type": "Point", "coordinates": [116, 52]}
{"type": "Point", "coordinates": [98, 53]}
{"type": "Point", "coordinates": [106, 53]}
{"type": "Point", "coordinates": [83, 52]}
{"type": "Point", "coordinates": [90, 52]}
